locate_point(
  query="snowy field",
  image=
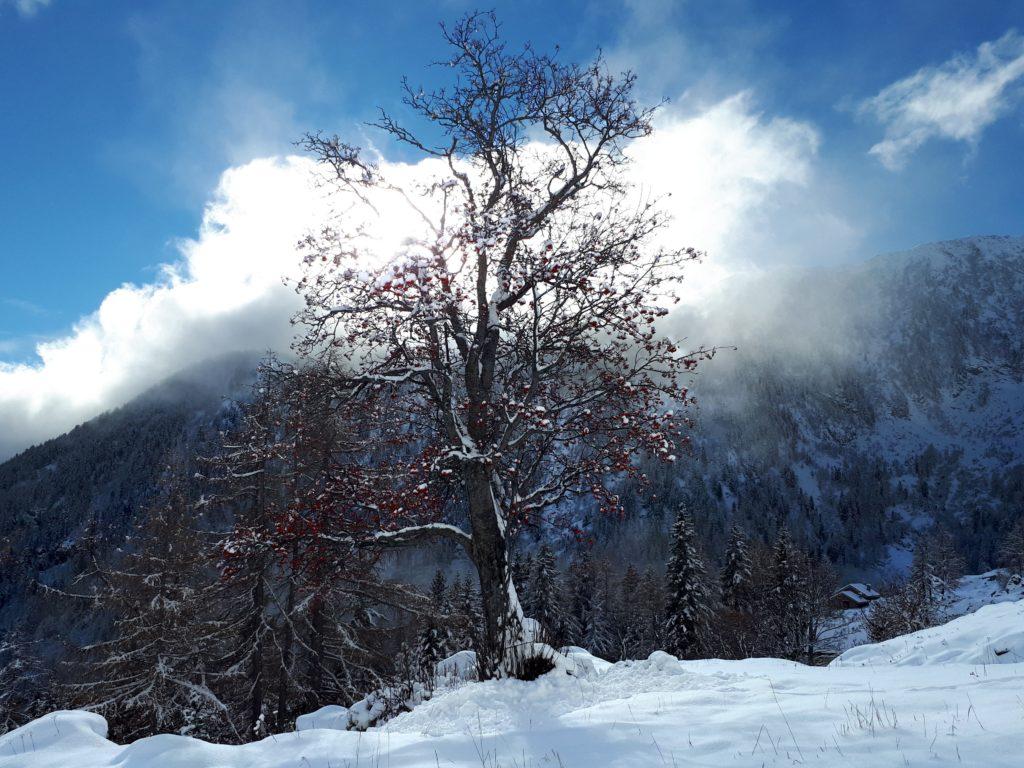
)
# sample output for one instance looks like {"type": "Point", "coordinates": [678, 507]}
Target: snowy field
{"type": "Point", "coordinates": [952, 695]}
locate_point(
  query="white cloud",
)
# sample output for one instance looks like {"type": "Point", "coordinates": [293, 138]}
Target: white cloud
{"type": "Point", "coordinates": [955, 100]}
{"type": "Point", "coordinates": [724, 165]}
{"type": "Point", "coordinates": [28, 8]}
{"type": "Point", "coordinates": [224, 295]}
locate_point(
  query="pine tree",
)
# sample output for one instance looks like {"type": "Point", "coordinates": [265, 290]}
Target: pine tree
{"type": "Point", "coordinates": [736, 577]}
{"type": "Point", "coordinates": [434, 643]}
{"type": "Point", "coordinates": [785, 594]}
{"type": "Point", "coordinates": [628, 616]}
{"type": "Point", "coordinates": [544, 598]}
{"type": "Point", "coordinates": [466, 614]}
{"type": "Point", "coordinates": [439, 592]}
{"type": "Point", "coordinates": [651, 601]}
{"type": "Point", "coordinates": [688, 603]}
{"type": "Point", "coordinates": [589, 604]}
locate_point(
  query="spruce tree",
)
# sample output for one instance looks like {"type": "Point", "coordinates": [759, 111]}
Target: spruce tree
{"type": "Point", "coordinates": [439, 592]}
{"type": "Point", "coordinates": [784, 598]}
{"type": "Point", "coordinates": [688, 603]}
{"type": "Point", "coordinates": [522, 567]}
{"type": "Point", "coordinates": [921, 603]}
{"type": "Point", "coordinates": [736, 577]}
{"type": "Point", "coordinates": [466, 614]}
{"type": "Point", "coordinates": [628, 616]}
{"type": "Point", "coordinates": [945, 560]}
{"type": "Point", "coordinates": [435, 639]}
{"type": "Point", "coordinates": [432, 646]}
{"type": "Point", "coordinates": [589, 603]}
{"type": "Point", "coordinates": [544, 601]}
{"type": "Point", "coordinates": [651, 601]}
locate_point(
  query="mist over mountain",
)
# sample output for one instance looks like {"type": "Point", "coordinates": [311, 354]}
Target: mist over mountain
{"type": "Point", "coordinates": [861, 404]}
{"type": "Point", "coordinates": [866, 402]}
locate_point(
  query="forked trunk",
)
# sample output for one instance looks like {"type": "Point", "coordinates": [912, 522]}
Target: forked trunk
{"type": "Point", "coordinates": [503, 616]}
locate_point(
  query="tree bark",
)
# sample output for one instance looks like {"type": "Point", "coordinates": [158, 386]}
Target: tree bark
{"type": "Point", "coordinates": [256, 661]}
{"type": "Point", "coordinates": [503, 616]}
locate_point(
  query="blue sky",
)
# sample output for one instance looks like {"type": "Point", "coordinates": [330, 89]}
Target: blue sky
{"type": "Point", "coordinates": [118, 119]}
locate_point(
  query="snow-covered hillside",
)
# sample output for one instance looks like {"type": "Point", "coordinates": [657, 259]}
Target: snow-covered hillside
{"type": "Point", "coordinates": [849, 629]}
{"type": "Point", "coordinates": [994, 634]}
{"type": "Point", "coordinates": [874, 707]}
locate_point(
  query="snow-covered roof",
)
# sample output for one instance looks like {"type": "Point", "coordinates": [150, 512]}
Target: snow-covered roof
{"type": "Point", "coordinates": [864, 590]}
{"type": "Point", "coordinates": [852, 596]}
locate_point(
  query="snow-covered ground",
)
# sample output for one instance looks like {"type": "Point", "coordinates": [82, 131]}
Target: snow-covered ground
{"type": "Point", "coordinates": [952, 695]}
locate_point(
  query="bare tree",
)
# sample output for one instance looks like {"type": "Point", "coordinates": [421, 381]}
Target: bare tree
{"type": "Point", "coordinates": [513, 348]}
{"type": "Point", "coordinates": [153, 675]}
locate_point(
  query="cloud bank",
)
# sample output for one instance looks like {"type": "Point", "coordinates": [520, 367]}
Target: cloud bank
{"type": "Point", "coordinates": [724, 165]}
{"type": "Point", "coordinates": [956, 100]}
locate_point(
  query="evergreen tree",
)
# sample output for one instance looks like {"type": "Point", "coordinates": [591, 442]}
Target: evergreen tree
{"type": "Point", "coordinates": [651, 600]}
{"type": "Point", "coordinates": [522, 567]}
{"type": "Point", "coordinates": [589, 603]}
{"type": "Point", "coordinates": [946, 563]}
{"type": "Point", "coordinates": [434, 643]}
{"type": "Point", "coordinates": [432, 646]}
{"type": "Point", "coordinates": [628, 616]}
{"type": "Point", "coordinates": [784, 596]}
{"type": "Point", "coordinates": [922, 602]}
{"type": "Point", "coordinates": [439, 592]}
{"type": "Point", "coordinates": [544, 598]}
{"type": "Point", "coordinates": [688, 600]}
{"type": "Point", "coordinates": [736, 577]}
{"type": "Point", "coordinates": [466, 614]}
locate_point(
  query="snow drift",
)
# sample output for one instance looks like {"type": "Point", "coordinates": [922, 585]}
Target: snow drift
{"type": "Point", "coordinates": [994, 634]}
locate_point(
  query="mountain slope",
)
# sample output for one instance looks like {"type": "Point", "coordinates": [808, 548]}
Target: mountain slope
{"type": "Point", "coordinates": [865, 402]}
{"type": "Point", "coordinates": [98, 475]}
{"type": "Point", "coordinates": [862, 403]}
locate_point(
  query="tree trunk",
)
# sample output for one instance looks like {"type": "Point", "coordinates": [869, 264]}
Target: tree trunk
{"type": "Point", "coordinates": [503, 616]}
{"type": "Point", "coordinates": [256, 662]}
{"type": "Point", "coordinates": [287, 654]}
{"type": "Point", "coordinates": [318, 624]}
